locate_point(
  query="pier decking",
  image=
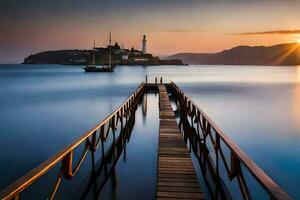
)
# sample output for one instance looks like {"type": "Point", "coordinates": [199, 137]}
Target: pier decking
{"type": "Point", "coordinates": [176, 177]}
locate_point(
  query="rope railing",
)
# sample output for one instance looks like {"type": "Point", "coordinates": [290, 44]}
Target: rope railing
{"type": "Point", "coordinates": [202, 131]}
{"type": "Point", "coordinates": [91, 140]}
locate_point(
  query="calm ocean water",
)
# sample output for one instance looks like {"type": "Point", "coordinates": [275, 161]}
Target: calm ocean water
{"type": "Point", "coordinates": [43, 108]}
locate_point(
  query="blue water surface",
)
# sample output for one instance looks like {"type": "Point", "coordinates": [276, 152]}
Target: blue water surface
{"type": "Point", "coordinates": [43, 108]}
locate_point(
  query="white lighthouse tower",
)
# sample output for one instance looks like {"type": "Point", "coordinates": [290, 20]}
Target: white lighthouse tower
{"type": "Point", "coordinates": [144, 41]}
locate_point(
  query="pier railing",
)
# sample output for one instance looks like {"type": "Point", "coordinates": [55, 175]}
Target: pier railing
{"type": "Point", "coordinates": [91, 140]}
{"type": "Point", "coordinates": [216, 152]}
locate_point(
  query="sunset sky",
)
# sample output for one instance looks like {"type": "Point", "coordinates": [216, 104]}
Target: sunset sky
{"type": "Point", "coordinates": [171, 26]}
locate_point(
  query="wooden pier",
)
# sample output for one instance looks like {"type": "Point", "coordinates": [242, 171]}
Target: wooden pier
{"type": "Point", "coordinates": [176, 177]}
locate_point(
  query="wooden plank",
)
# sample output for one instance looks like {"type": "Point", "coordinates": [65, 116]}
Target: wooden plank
{"type": "Point", "coordinates": [181, 195]}
{"type": "Point", "coordinates": [176, 177]}
{"type": "Point", "coordinates": [178, 184]}
{"type": "Point", "coordinates": [178, 189]}
{"type": "Point", "coordinates": [172, 175]}
{"type": "Point", "coordinates": [166, 198]}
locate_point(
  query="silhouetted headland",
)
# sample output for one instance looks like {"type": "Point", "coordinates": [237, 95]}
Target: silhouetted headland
{"type": "Point", "coordinates": [278, 55]}
{"type": "Point", "coordinates": [119, 55]}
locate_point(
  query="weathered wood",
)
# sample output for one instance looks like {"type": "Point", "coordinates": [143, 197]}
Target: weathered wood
{"type": "Point", "coordinates": [176, 177]}
{"type": "Point", "coordinates": [178, 189]}
{"type": "Point", "coordinates": [187, 195]}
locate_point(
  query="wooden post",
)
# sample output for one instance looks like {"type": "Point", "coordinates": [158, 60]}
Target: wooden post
{"type": "Point", "coordinates": [93, 143]}
{"type": "Point", "coordinates": [155, 80]}
{"type": "Point", "coordinates": [235, 164]}
{"type": "Point", "coordinates": [161, 81]}
{"type": "Point", "coordinates": [16, 197]}
{"type": "Point", "coordinates": [146, 79]}
{"type": "Point", "coordinates": [67, 165]}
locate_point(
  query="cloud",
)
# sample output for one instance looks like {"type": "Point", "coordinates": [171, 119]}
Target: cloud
{"type": "Point", "coordinates": [284, 32]}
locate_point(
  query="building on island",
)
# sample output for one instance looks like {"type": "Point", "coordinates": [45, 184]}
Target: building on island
{"type": "Point", "coordinates": [144, 41]}
{"type": "Point", "coordinates": [122, 56]}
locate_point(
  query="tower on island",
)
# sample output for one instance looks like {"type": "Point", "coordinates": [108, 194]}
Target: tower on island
{"type": "Point", "coordinates": [144, 41]}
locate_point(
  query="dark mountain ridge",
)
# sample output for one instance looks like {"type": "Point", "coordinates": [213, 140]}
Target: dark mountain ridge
{"type": "Point", "coordinates": [282, 54]}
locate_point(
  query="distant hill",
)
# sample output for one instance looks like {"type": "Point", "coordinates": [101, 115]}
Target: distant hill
{"type": "Point", "coordinates": [282, 54]}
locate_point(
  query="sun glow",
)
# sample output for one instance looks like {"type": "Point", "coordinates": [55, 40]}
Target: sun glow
{"type": "Point", "coordinates": [298, 40]}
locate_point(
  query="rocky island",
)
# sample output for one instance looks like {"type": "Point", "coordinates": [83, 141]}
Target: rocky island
{"type": "Point", "coordinates": [120, 56]}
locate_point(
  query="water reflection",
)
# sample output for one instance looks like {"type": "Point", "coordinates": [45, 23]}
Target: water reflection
{"type": "Point", "coordinates": [214, 184]}
{"type": "Point", "coordinates": [224, 174]}
{"type": "Point", "coordinates": [105, 168]}
{"type": "Point", "coordinates": [295, 104]}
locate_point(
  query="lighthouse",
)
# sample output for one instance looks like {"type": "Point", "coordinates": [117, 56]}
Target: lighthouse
{"type": "Point", "coordinates": [144, 45]}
